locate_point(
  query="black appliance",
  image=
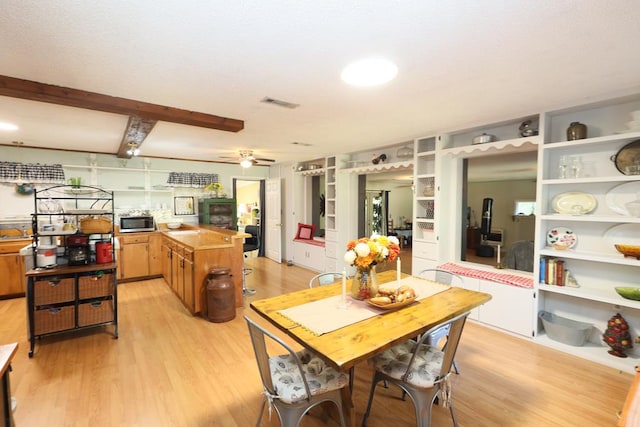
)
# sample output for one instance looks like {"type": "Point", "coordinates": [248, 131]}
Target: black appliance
{"type": "Point", "coordinates": [78, 251]}
{"type": "Point", "coordinates": [485, 250]}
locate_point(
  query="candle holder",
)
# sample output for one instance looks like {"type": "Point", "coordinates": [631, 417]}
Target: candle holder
{"type": "Point", "coordinates": [344, 303]}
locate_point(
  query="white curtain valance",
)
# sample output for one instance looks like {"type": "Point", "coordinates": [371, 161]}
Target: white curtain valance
{"type": "Point", "coordinates": [188, 179]}
{"type": "Point", "coordinates": [31, 172]}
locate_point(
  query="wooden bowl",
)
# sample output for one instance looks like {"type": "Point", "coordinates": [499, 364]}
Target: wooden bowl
{"type": "Point", "coordinates": [631, 251]}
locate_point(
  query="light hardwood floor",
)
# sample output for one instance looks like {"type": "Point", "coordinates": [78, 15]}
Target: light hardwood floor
{"type": "Point", "coordinates": [169, 368]}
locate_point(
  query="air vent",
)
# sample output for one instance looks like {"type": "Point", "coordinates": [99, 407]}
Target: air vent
{"type": "Point", "coordinates": [279, 103]}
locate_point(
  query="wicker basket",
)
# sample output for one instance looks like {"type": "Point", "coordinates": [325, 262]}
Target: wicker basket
{"type": "Point", "coordinates": [93, 313]}
{"type": "Point", "coordinates": [49, 320]}
{"type": "Point", "coordinates": [95, 286]}
{"type": "Point", "coordinates": [95, 225]}
{"type": "Point", "coordinates": [53, 290]}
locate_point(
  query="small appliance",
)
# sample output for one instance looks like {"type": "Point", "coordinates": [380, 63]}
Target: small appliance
{"type": "Point", "coordinates": [78, 250]}
{"type": "Point", "coordinates": [134, 224]}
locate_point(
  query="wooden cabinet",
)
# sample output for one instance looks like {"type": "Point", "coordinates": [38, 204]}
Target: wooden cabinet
{"type": "Point", "coordinates": [12, 267]}
{"type": "Point", "coordinates": [155, 254]}
{"type": "Point", "coordinates": [69, 298]}
{"type": "Point", "coordinates": [188, 258]}
{"type": "Point", "coordinates": [166, 251]}
{"type": "Point", "coordinates": [140, 255]}
{"type": "Point", "coordinates": [177, 268]}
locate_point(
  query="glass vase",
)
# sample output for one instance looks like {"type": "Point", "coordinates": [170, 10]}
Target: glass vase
{"type": "Point", "coordinates": [364, 283]}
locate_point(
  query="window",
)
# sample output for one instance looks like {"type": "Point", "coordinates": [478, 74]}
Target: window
{"type": "Point", "coordinates": [525, 207]}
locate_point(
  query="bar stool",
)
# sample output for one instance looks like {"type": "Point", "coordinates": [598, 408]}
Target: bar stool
{"type": "Point", "coordinates": [250, 244]}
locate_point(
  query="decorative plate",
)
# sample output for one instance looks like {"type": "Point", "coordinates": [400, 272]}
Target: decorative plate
{"type": "Point", "coordinates": [574, 203]}
{"type": "Point", "coordinates": [561, 238]}
{"type": "Point", "coordinates": [618, 197]}
{"type": "Point", "coordinates": [392, 306]}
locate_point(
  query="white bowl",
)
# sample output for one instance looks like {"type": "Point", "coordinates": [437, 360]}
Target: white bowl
{"type": "Point", "coordinates": [173, 225]}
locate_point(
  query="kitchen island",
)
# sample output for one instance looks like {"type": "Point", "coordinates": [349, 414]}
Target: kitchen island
{"type": "Point", "coordinates": [189, 253]}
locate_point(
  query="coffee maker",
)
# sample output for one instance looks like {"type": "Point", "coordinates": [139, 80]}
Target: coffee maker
{"type": "Point", "coordinates": [78, 251]}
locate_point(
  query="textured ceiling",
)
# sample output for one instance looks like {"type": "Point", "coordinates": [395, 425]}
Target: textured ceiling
{"type": "Point", "coordinates": [461, 64]}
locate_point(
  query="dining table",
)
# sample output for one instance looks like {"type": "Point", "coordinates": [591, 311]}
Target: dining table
{"type": "Point", "coordinates": [362, 335]}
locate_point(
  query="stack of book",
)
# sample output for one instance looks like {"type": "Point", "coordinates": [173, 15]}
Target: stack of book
{"type": "Point", "coordinates": [553, 271]}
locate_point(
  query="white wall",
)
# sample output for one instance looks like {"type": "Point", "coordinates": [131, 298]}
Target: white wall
{"type": "Point", "coordinates": [12, 204]}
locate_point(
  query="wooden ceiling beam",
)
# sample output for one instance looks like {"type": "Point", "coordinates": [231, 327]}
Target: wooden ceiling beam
{"type": "Point", "coordinates": [34, 91]}
{"type": "Point", "coordinates": [136, 132]}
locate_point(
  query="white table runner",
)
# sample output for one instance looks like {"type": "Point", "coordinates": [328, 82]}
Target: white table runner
{"type": "Point", "coordinates": [323, 316]}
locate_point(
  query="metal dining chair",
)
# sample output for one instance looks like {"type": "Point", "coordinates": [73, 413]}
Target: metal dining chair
{"type": "Point", "coordinates": [322, 279]}
{"type": "Point", "coordinates": [422, 371]}
{"type": "Point", "coordinates": [448, 278]}
{"type": "Point", "coordinates": [294, 382]}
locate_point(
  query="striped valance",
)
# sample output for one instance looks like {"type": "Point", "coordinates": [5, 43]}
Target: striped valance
{"type": "Point", "coordinates": [187, 179]}
{"type": "Point", "coordinates": [31, 172]}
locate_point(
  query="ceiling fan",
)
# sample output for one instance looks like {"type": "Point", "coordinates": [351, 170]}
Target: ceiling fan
{"type": "Point", "coordinates": [247, 159]}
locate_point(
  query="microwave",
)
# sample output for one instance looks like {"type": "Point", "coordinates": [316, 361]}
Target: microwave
{"type": "Point", "coordinates": [131, 224]}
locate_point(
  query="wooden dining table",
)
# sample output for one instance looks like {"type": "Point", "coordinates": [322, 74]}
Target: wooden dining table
{"type": "Point", "coordinates": [349, 345]}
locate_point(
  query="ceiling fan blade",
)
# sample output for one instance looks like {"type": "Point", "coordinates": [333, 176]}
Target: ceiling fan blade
{"type": "Point", "coordinates": [263, 160]}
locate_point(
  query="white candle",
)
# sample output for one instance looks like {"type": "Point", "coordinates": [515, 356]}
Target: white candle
{"type": "Point", "coordinates": [344, 285]}
{"type": "Point", "coordinates": [498, 255]}
{"type": "Point", "coordinates": [398, 269]}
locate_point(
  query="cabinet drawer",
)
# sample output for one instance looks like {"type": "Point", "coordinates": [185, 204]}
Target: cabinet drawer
{"type": "Point", "coordinates": [56, 319]}
{"type": "Point", "coordinates": [137, 238]}
{"type": "Point", "coordinates": [331, 249]}
{"type": "Point", "coordinates": [424, 250]}
{"type": "Point", "coordinates": [95, 286]}
{"type": "Point", "coordinates": [93, 313]}
{"type": "Point", "coordinates": [53, 290]}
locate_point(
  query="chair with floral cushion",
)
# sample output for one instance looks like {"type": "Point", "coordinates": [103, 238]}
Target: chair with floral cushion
{"type": "Point", "coordinates": [422, 371]}
{"type": "Point", "coordinates": [449, 278]}
{"type": "Point", "coordinates": [294, 382]}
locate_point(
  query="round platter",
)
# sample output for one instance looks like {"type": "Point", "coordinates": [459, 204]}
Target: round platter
{"type": "Point", "coordinates": [574, 203]}
{"type": "Point", "coordinates": [618, 197]}
{"type": "Point", "coordinates": [392, 306]}
{"type": "Point", "coordinates": [561, 237]}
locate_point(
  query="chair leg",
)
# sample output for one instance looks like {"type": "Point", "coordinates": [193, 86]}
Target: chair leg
{"type": "Point", "coordinates": [374, 382]}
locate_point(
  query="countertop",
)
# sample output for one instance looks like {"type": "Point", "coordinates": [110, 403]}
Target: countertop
{"type": "Point", "coordinates": [205, 237]}
{"type": "Point", "coordinates": [7, 351]}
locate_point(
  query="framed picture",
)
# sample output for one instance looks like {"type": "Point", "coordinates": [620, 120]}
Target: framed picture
{"type": "Point", "coordinates": [305, 231]}
{"type": "Point", "coordinates": [184, 205]}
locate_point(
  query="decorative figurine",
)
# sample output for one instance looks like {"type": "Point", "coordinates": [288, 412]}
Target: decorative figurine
{"type": "Point", "coordinates": [617, 336]}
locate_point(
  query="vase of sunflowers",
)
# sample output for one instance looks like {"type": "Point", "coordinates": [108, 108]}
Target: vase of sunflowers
{"type": "Point", "coordinates": [215, 188]}
{"type": "Point", "coordinates": [364, 254]}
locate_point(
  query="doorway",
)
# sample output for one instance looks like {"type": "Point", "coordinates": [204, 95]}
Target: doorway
{"type": "Point", "coordinates": [250, 201]}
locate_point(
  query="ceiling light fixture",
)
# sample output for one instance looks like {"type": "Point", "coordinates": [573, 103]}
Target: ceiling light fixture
{"type": "Point", "coordinates": [133, 149]}
{"type": "Point", "coordinates": [8, 126]}
{"type": "Point", "coordinates": [369, 72]}
{"type": "Point", "coordinates": [246, 163]}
